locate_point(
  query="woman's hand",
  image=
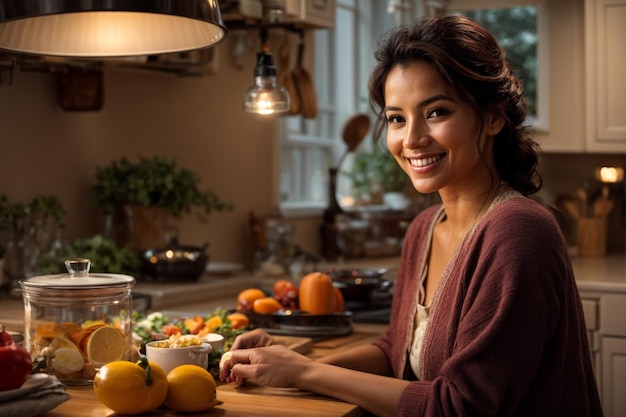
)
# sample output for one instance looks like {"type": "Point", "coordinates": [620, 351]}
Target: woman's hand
{"type": "Point", "coordinates": [273, 366]}
{"type": "Point", "coordinates": [253, 338]}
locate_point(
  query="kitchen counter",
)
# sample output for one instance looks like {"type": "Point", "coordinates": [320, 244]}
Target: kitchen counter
{"type": "Point", "coordinates": [226, 287]}
{"type": "Point", "coordinates": [607, 273]}
{"type": "Point", "coordinates": [249, 400]}
{"type": "Point", "coordinates": [237, 402]}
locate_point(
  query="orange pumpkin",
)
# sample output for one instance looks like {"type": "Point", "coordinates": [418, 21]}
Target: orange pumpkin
{"type": "Point", "coordinates": [317, 294]}
{"type": "Point", "coordinates": [340, 304]}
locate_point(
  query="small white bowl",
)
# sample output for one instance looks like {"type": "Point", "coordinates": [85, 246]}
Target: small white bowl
{"type": "Point", "coordinates": [216, 341]}
{"type": "Point", "coordinates": [169, 358]}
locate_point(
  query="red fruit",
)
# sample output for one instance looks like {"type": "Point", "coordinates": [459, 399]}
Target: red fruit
{"type": "Point", "coordinates": [286, 293]}
{"type": "Point", "coordinates": [15, 362]}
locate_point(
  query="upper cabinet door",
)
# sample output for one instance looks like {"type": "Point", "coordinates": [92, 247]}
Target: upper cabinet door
{"type": "Point", "coordinates": [605, 32]}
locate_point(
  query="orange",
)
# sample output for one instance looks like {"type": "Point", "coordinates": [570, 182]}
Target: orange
{"type": "Point", "coordinates": [191, 389]}
{"type": "Point", "coordinates": [238, 320]}
{"type": "Point", "coordinates": [194, 325]}
{"type": "Point", "coordinates": [131, 388]}
{"type": "Point", "coordinates": [266, 305]}
{"type": "Point", "coordinates": [246, 298]}
{"type": "Point", "coordinates": [82, 336]}
{"type": "Point", "coordinates": [106, 344]}
{"type": "Point", "coordinates": [213, 323]}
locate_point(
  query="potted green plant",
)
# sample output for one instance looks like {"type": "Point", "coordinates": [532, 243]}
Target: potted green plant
{"type": "Point", "coordinates": [139, 198]}
{"type": "Point", "coordinates": [32, 231]}
{"type": "Point", "coordinates": [105, 256]}
{"type": "Point", "coordinates": [375, 173]}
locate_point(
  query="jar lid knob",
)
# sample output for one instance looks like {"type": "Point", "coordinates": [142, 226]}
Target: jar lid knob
{"type": "Point", "coordinates": [78, 266]}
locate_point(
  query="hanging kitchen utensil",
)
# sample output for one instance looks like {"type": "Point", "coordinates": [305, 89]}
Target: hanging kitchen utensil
{"type": "Point", "coordinates": [304, 86]}
{"type": "Point", "coordinates": [285, 76]}
{"type": "Point", "coordinates": [354, 130]}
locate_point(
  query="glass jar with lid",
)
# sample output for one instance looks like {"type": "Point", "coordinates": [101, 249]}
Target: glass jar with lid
{"type": "Point", "coordinates": [77, 322]}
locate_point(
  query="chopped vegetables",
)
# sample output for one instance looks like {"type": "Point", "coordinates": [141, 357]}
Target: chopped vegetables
{"type": "Point", "coordinates": [156, 326]}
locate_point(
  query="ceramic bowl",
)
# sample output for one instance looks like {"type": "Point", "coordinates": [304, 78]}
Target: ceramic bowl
{"type": "Point", "coordinates": [358, 284]}
{"type": "Point", "coordinates": [216, 341]}
{"type": "Point", "coordinates": [169, 358]}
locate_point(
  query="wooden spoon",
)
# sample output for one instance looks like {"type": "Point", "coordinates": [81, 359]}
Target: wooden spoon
{"type": "Point", "coordinates": [305, 87]}
{"type": "Point", "coordinates": [285, 77]}
{"type": "Point", "coordinates": [603, 204]}
{"type": "Point", "coordinates": [354, 130]}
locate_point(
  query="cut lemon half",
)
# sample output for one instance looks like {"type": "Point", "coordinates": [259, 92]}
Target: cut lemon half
{"type": "Point", "coordinates": [106, 344]}
{"type": "Point", "coordinates": [61, 342]}
{"type": "Point", "coordinates": [68, 360]}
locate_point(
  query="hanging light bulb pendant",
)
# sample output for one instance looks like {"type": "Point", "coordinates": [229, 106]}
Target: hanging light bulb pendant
{"type": "Point", "coordinates": [266, 96]}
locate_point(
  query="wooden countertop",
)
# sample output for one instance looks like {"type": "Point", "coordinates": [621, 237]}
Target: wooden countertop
{"type": "Point", "coordinates": [246, 401]}
{"type": "Point", "coordinates": [249, 400]}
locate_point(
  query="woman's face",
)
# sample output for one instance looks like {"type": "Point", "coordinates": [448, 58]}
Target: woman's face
{"type": "Point", "coordinates": [433, 135]}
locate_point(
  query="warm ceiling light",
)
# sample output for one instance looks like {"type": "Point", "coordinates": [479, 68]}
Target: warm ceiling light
{"type": "Point", "coordinates": [109, 28]}
{"type": "Point", "coordinates": [610, 174]}
{"type": "Point", "coordinates": [266, 96]}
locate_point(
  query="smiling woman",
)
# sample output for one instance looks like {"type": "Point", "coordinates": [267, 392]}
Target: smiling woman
{"type": "Point", "coordinates": [486, 317]}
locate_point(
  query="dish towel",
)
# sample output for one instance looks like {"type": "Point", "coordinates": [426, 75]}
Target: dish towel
{"type": "Point", "coordinates": [36, 402]}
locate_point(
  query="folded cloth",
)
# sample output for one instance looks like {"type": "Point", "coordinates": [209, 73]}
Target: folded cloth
{"type": "Point", "coordinates": [38, 401]}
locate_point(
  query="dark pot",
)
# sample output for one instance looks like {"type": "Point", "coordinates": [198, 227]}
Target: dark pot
{"type": "Point", "coordinates": [358, 284]}
{"type": "Point", "coordinates": [175, 263]}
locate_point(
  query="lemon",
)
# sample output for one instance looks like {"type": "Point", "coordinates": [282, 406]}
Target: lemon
{"type": "Point", "coordinates": [68, 360]}
{"type": "Point", "coordinates": [131, 388]}
{"type": "Point", "coordinates": [106, 344]}
{"type": "Point", "coordinates": [191, 389]}
{"type": "Point", "coordinates": [60, 342]}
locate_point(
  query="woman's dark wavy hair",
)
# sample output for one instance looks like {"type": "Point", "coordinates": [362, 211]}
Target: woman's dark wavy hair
{"type": "Point", "coordinates": [473, 64]}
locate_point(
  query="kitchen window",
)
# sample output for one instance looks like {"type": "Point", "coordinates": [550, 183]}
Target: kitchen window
{"type": "Point", "coordinates": [521, 28]}
{"type": "Point", "coordinates": [342, 62]}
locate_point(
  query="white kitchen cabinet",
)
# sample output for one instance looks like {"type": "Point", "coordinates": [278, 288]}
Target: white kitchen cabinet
{"type": "Point", "coordinates": [613, 334]}
{"type": "Point", "coordinates": [605, 49]}
{"type": "Point", "coordinates": [614, 376]}
{"type": "Point", "coordinates": [605, 317]}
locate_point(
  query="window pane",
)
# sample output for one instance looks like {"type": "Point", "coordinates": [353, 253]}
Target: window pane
{"type": "Point", "coordinates": [516, 30]}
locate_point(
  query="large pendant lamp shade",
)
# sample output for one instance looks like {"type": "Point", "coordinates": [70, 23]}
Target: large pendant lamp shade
{"type": "Point", "coordinates": [109, 28]}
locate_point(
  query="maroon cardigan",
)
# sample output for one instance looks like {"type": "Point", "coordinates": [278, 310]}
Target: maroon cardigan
{"type": "Point", "coordinates": [506, 335]}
